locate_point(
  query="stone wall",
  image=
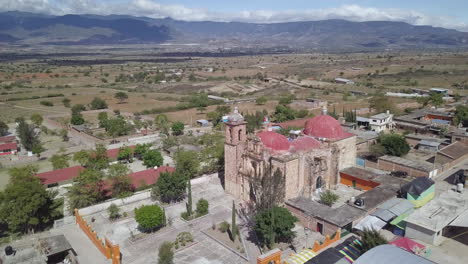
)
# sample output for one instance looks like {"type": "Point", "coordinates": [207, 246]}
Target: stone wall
{"type": "Point", "coordinates": [390, 166]}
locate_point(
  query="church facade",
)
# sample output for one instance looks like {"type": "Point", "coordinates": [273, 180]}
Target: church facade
{"type": "Point", "coordinates": [309, 163]}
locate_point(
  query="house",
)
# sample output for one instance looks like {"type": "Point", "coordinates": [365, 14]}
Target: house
{"type": "Point", "coordinates": [422, 142]}
{"type": "Point", "coordinates": [430, 222]}
{"type": "Point", "coordinates": [60, 176]}
{"type": "Point", "coordinates": [427, 145]}
{"type": "Point", "coordinates": [343, 81]}
{"type": "Point", "coordinates": [358, 178]}
{"type": "Point", "coordinates": [8, 148]}
{"type": "Point", "coordinates": [148, 177]}
{"type": "Point", "coordinates": [460, 135]}
{"type": "Point", "coordinates": [7, 139]}
{"type": "Point", "coordinates": [420, 191]}
{"type": "Point", "coordinates": [382, 122]}
{"type": "Point", "coordinates": [414, 168]}
{"type": "Point", "coordinates": [451, 155]}
{"type": "Point", "coordinates": [390, 254]}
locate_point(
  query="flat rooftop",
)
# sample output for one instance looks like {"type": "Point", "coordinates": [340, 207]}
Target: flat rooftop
{"type": "Point", "coordinates": [441, 211]}
{"type": "Point", "coordinates": [415, 164]}
{"type": "Point", "coordinates": [375, 197]}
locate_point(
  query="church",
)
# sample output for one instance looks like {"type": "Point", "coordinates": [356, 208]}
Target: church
{"type": "Point", "coordinates": [309, 163]}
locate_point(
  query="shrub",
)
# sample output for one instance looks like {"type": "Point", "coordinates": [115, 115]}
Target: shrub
{"type": "Point", "coordinates": [113, 211]}
{"type": "Point", "coordinates": [224, 227]}
{"type": "Point", "coordinates": [184, 238]}
{"type": "Point", "coordinates": [328, 198]}
{"type": "Point", "coordinates": [149, 217]}
{"type": "Point", "coordinates": [47, 103]}
{"type": "Point", "coordinates": [202, 207]}
{"type": "Point", "coordinates": [166, 255]}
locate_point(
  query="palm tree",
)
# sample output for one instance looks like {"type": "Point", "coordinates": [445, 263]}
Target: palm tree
{"type": "Point", "coordinates": [371, 238]}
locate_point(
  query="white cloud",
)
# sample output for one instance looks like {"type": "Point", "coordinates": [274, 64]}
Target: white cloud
{"type": "Point", "coordinates": [153, 9]}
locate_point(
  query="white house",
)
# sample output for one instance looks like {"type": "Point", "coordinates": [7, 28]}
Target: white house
{"type": "Point", "coordinates": [382, 122]}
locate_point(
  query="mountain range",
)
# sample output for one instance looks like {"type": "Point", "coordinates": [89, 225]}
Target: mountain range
{"type": "Point", "coordinates": [32, 29]}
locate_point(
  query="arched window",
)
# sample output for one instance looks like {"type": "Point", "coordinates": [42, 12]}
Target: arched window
{"type": "Point", "coordinates": [240, 135]}
{"type": "Point", "coordinates": [318, 183]}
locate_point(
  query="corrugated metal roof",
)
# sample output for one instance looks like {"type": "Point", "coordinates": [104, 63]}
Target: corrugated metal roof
{"type": "Point", "coordinates": [429, 143]}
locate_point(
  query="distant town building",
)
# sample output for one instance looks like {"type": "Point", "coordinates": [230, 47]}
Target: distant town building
{"type": "Point", "coordinates": [378, 123]}
{"type": "Point", "coordinates": [343, 81]}
{"type": "Point", "coordinates": [444, 92]}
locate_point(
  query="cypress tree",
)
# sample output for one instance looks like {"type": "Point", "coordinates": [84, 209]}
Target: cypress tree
{"type": "Point", "coordinates": [233, 223]}
{"type": "Point", "coordinates": [189, 202]}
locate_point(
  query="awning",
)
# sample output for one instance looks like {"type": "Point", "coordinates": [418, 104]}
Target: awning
{"type": "Point", "coordinates": [301, 257]}
{"type": "Point", "coordinates": [370, 222]}
{"type": "Point", "coordinates": [384, 214]}
{"type": "Point", "coordinates": [461, 220]}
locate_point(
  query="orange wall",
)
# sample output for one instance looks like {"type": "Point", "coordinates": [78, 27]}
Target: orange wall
{"type": "Point", "coordinates": [366, 185]}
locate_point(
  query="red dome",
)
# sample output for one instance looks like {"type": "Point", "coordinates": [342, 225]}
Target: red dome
{"type": "Point", "coordinates": [324, 126]}
{"type": "Point", "coordinates": [305, 143]}
{"type": "Point", "coordinates": [273, 140]}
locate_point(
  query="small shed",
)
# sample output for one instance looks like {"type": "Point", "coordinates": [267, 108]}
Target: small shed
{"type": "Point", "coordinates": [203, 122]}
{"type": "Point", "coordinates": [419, 192]}
{"type": "Point", "coordinates": [427, 145]}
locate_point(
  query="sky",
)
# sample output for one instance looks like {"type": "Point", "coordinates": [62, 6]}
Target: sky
{"type": "Point", "coordinates": [443, 13]}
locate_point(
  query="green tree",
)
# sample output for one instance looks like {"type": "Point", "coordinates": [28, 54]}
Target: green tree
{"type": "Point", "coordinates": [170, 187]}
{"type": "Point", "coordinates": [370, 239]}
{"type": "Point", "coordinates": [117, 127]}
{"type": "Point", "coordinates": [177, 128]}
{"type": "Point", "coordinates": [189, 205]}
{"type": "Point", "coordinates": [212, 154]}
{"type": "Point", "coordinates": [95, 159]}
{"type": "Point", "coordinates": [82, 157]}
{"type": "Point", "coordinates": [77, 119]}
{"type": "Point", "coordinates": [394, 144]}
{"type": "Point", "coordinates": [59, 161]}
{"type": "Point", "coordinates": [328, 197]}
{"type": "Point", "coordinates": [152, 158]}
{"type": "Point", "coordinates": [86, 190]}
{"type": "Point", "coordinates": [283, 113]}
{"type": "Point", "coordinates": [38, 149]}
{"type": "Point", "coordinates": [274, 225]}
{"type": "Point", "coordinates": [66, 102]}
{"type": "Point", "coordinates": [150, 217]}
{"type": "Point", "coordinates": [25, 204]}
{"type": "Point", "coordinates": [234, 229]}
{"type": "Point", "coordinates": [202, 207]}
{"type": "Point", "coordinates": [141, 149]}
{"type": "Point", "coordinates": [121, 182]}
{"type": "Point", "coordinates": [37, 119]}
{"type": "Point", "coordinates": [113, 211]}
{"type": "Point", "coordinates": [78, 108]}
{"type": "Point", "coordinates": [254, 121]}
{"type": "Point", "coordinates": [162, 123]}
{"type": "Point", "coordinates": [187, 163]}
{"type": "Point", "coordinates": [287, 99]}
{"type": "Point", "coordinates": [166, 255]}
{"type": "Point", "coordinates": [125, 154]}
{"type": "Point", "coordinates": [261, 100]}
{"type": "Point", "coordinates": [461, 115]}
{"type": "Point", "coordinates": [27, 135]}
{"type": "Point", "coordinates": [98, 103]}
{"type": "Point", "coordinates": [3, 129]}
{"type": "Point", "coordinates": [103, 118]}
{"type": "Point", "coordinates": [121, 96]}
{"type": "Point", "coordinates": [437, 99]}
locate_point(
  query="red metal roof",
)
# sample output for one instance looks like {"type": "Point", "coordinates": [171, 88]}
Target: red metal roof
{"type": "Point", "coordinates": [8, 146]}
{"type": "Point", "coordinates": [149, 176]}
{"type": "Point", "coordinates": [325, 126]}
{"type": "Point", "coordinates": [114, 153]}
{"type": "Point", "coordinates": [7, 139]}
{"type": "Point", "coordinates": [273, 140]}
{"type": "Point", "coordinates": [60, 175]}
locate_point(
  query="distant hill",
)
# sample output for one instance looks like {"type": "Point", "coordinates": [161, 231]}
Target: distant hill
{"type": "Point", "coordinates": [28, 28]}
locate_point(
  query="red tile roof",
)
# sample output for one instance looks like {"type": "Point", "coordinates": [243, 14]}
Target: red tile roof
{"type": "Point", "coordinates": [8, 146]}
{"type": "Point", "coordinates": [273, 140]}
{"type": "Point", "coordinates": [114, 153]}
{"type": "Point", "coordinates": [305, 143]}
{"type": "Point", "coordinates": [7, 139]}
{"type": "Point", "coordinates": [149, 176]}
{"type": "Point", "coordinates": [60, 175]}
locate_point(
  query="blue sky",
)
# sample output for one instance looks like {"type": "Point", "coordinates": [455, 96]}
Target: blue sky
{"type": "Point", "coordinates": [444, 13]}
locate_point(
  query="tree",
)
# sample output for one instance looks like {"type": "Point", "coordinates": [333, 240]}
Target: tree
{"type": "Point", "coordinates": [38, 149]}
{"type": "Point", "coordinates": [162, 123]}
{"type": "Point", "coordinates": [261, 100]}
{"type": "Point", "coordinates": [59, 161]}
{"type": "Point", "coordinates": [233, 221]}
{"type": "Point", "coordinates": [170, 187]}
{"type": "Point", "coordinates": [37, 119]}
{"type": "Point", "coordinates": [121, 96]}
{"type": "Point", "coordinates": [380, 103]}
{"type": "Point", "coordinates": [274, 225]}
{"type": "Point", "coordinates": [189, 199]}
{"type": "Point", "coordinates": [82, 157]}
{"type": "Point", "coordinates": [117, 127]}
{"type": "Point", "coordinates": [166, 255]}
{"type": "Point", "coordinates": [66, 102]}
{"type": "Point", "coordinates": [125, 154]}
{"type": "Point", "coordinates": [121, 182]}
{"type": "Point", "coordinates": [150, 217]}
{"type": "Point", "coordinates": [370, 239]}
{"type": "Point", "coordinates": [328, 197]}
{"type": "Point", "coordinates": [267, 188]}
{"type": "Point", "coordinates": [103, 118]}
{"type": "Point", "coordinates": [64, 135]}
{"type": "Point", "coordinates": [95, 159]}
{"type": "Point", "coordinates": [187, 163]}
{"type": "Point", "coordinates": [394, 144]}
{"type": "Point", "coordinates": [202, 207]}
{"type": "Point", "coordinates": [461, 115]}
{"type": "Point", "coordinates": [78, 108]}
{"type": "Point", "coordinates": [177, 128]}
{"type": "Point", "coordinates": [28, 137]}
{"type": "Point", "coordinates": [98, 103]}
{"type": "Point", "coordinates": [212, 154]}
{"type": "Point", "coordinates": [86, 190]}
{"type": "Point", "coordinates": [77, 119]}
{"type": "Point", "coordinates": [254, 121]}
{"type": "Point", "coordinates": [201, 109]}
{"type": "Point", "coordinates": [141, 149]}
{"type": "Point", "coordinates": [25, 204]}
{"type": "Point", "coordinates": [152, 158]}
{"type": "Point", "coordinates": [113, 211]}
{"type": "Point", "coordinates": [287, 99]}
{"type": "Point", "coordinates": [3, 129]}
{"type": "Point", "coordinates": [283, 113]}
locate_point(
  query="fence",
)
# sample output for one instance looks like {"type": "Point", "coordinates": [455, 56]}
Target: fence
{"type": "Point", "coordinates": [107, 248]}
